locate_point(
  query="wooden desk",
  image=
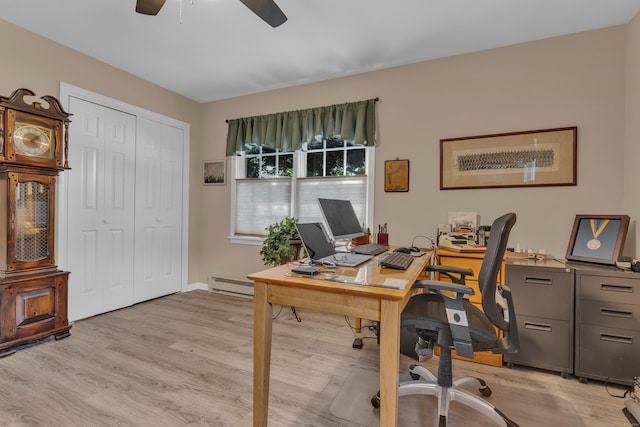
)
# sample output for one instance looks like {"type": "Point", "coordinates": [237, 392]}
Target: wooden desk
{"type": "Point", "coordinates": [273, 286]}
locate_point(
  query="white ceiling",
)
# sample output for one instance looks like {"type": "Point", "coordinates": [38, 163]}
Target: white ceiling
{"type": "Point", "coordinates": [209, 50]}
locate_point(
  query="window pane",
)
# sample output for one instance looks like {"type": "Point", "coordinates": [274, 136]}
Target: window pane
{"type": "Point", "coordinates": [285, 165]}
{"type": "Point", "coordinates": [260, 202]}
{"type": "Point", "coordinates": [356, 162]}
{"type": "Point", "coordinates": [335, 163]}
{"type": "Point", "coordinates": [253, 167]}
{"type": "Point", "coordinates": [314, 164]}
{"type": "Point", "coordinates": [308, 190]}
{"type": "Point", "coordinates": [268, 166]}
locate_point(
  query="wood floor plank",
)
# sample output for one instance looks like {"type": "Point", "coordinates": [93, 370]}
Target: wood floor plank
{"type": "Point", "coordinates": [186, 360]}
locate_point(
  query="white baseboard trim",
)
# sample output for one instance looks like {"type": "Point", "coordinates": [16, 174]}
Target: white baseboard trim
{"type": "Point", "coordinates": [195, 286]}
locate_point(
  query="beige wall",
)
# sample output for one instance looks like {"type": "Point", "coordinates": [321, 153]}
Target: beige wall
{"type": "Point", "coordinates": [40, 65]}
{"type": "Point", "coordinates": [632, 138]}
{"type": "Point", "coordinates": [588, 80]}
{"type": "Point", "coordinates": [576, 80]}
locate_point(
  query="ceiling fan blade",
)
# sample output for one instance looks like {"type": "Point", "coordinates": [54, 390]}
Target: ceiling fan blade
{"type": "Point", "coordinates": [149, 7]}
{"type": "Point", "coordinates": [267, 10]}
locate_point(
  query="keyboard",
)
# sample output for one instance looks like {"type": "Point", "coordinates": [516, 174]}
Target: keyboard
{"type": "Point", "coordinates": [397, 260]}
{"type": "Point", "coordinates": [369, 249]}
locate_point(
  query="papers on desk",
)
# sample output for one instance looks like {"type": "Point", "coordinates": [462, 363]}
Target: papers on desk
{"type": "Point", "coordinates": [392, 282]}
{"type": "Point", "coordinates": [449, 245]}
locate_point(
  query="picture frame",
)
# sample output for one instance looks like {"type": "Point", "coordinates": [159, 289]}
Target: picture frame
{"type": "Point", "coordinates": [535, 158]}
{"type": "Point", "coordinates": [597, 238]}
{"type": "Point", "coordinates": [214, 172]}
{"type": "Point", "coordinates": [396, 175]}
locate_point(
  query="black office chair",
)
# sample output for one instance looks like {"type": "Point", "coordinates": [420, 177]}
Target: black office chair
{"type": "Point", "coordinates": [452, 322]}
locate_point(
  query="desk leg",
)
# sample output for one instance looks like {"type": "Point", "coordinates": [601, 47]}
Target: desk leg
{"type": "Point", "coordinates": [262, 318]}
{"type": "Point", "coordinates": [389, 362]}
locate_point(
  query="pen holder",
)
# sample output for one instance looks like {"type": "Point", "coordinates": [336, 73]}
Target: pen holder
{"type": "Point", "coordinates": [383, 238]}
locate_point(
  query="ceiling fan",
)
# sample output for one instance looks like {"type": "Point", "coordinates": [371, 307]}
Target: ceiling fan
{"type": "Point", "coordinates": [267, 10]}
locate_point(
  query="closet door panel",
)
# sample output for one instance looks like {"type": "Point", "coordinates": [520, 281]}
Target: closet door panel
{"type": "Point", "coordinates": [101, 209]}
{"type": "Point", "coordinates": [158, 251]}
{"type": "Point", "coordinates": [119, 206]}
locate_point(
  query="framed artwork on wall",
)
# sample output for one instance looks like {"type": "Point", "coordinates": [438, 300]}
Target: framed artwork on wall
{"type": "Point", "coordinates": [214, 172]}
{"type": "Point", "coordinates": [597, 238]}
{"type": "Point", "coordinates": [535, 158]}
{"type": "Point", "coordinates": [396, 175]}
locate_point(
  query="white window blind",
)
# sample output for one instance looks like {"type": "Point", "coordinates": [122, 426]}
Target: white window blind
{"type": "Point", "coordinates": [260, 202]}
{"type": "Point", "coordinates": [308, 190]}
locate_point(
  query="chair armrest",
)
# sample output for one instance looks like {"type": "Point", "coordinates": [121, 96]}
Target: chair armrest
{"type": "Point", "coordinates": [511, 338]}
{"type": "Point", "coordinates": [435, 285]}
{"type": "Point", "coordinates": [450, 271]}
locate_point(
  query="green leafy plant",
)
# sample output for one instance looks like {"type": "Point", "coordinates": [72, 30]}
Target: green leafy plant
{"type": "Point", "coordinates": [282, 243]}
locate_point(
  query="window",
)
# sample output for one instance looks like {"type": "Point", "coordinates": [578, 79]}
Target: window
{"type": "Point", "coordinates": [283, 162]}
{"type": "Point", "coordinates": [270, 184]}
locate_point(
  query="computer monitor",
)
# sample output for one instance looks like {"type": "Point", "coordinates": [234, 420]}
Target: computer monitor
{"type": "Point", "coordinates": [341, 218]}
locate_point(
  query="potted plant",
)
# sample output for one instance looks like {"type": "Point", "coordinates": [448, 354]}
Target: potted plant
{"type": "Point", "coordinates": [282, 243]}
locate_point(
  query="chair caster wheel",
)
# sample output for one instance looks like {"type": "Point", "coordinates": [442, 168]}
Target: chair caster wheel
{"type": "Point", "coordinates": [485, 391]}
{"type": "Point", "coordinates": [375, 400]}
{"type": "Point", "coordinates": [583, 380]}
{"type": "Point", "coordinates": [413, 375]}
{"type": "Point", "coordinates": [564, 375]}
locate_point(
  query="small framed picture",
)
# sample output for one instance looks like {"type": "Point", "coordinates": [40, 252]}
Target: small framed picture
{"type": "Point", "coordinates": [396, 175]}
{"type": "Point", "coordinates": [598, 238]}
{"type": "Point", "coordinates": [214, 172]}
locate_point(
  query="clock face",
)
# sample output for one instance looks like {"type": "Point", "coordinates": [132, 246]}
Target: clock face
{"type": "Point", "coordinates": [32, 140]}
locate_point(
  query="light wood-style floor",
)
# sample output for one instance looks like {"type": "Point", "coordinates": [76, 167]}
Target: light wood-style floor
{"type": "Point", "coordinates": [186, 360]}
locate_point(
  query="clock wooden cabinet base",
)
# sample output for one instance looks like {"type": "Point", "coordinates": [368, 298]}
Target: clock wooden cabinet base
{"type": "Point", "coordinates": [32, 308]}
{"type": "Point", "coordinates": [33, 150]}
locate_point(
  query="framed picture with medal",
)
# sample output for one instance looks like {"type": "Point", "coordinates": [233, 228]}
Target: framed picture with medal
{"type": "Point", "coordinates": [597, 238]}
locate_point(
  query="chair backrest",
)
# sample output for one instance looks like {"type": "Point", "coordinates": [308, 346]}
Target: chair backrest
{"type": "Point", "coordinates": [488, 276]}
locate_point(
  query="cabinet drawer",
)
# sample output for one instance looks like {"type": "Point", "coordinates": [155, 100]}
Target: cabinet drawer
{"type": "Point", "coordinates": [472, 264]}
{"type": "Point", "coordinates": [544, 343]}
{"type": "Point", "coordinates": [542, 293]}
{"type": "Point", "coordinates": [614, 289]}
{"type": "Point", "coordinates": [607, 353]}
{"type": "Point", "coordinates": [609, 314]}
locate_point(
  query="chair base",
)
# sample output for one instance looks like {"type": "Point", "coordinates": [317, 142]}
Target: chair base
{"type": "Point", "coordinates": [428, 385]}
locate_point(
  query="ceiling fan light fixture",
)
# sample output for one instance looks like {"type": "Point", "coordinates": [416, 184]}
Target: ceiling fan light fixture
{"type": "Point", "coordinates": [267, 10]}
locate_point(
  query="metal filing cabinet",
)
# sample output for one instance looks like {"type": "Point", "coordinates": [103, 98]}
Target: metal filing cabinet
{"type": "Point", "coordinates": [543, 298]}
{"type": "Point", "coordinates": [607, 324]}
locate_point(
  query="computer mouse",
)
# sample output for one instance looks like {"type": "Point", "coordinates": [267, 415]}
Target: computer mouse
{"type": "Point", "coordinates": [414, 249]}
{"type": "Point", "coordinates": [402, 250]}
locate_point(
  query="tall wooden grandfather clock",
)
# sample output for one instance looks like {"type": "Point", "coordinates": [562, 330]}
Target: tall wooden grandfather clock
{"type": "Point", "coordinates": [33, 150]}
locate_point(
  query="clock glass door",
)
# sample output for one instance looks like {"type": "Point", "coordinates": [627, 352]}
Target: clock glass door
{"type": "Point", "coordinates": [32, 214]}
{"type": "Point", "coordinates": [31, 221]}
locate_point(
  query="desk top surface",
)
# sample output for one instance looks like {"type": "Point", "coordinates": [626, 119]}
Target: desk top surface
{"type": "Point", "coordinates": [368, 278]}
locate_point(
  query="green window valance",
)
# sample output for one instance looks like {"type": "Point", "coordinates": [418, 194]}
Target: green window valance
{"type": "Point", "coordinates": [287, 131]}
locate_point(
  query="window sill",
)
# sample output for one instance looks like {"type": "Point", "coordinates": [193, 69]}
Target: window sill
{"type": "Point", "coordinates": [247, 240]}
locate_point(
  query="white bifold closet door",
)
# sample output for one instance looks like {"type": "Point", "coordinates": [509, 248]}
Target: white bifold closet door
{"type": "Point", "coordinates": [158, 224]}
{"type": "Point", "coordinates": [101, 209]}
{"type": "Point", "coordinates": [124, 209]}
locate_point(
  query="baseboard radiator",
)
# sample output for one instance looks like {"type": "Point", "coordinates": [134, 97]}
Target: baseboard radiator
{"type": "Point", "coordinates": [231, 286]}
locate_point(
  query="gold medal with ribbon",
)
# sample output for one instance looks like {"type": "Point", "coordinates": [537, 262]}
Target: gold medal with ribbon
{"type": "Point", "coordinates": [594, 244]}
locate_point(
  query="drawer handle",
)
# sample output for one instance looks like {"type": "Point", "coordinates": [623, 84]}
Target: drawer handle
{"type": "Point", "coordinates": [616, 313]}
{"type": "Point", "coordinates": [537, 326]}
{"type": "Point", "coordinates": [538, 280]}
{"type": "Point", "coordinates": [616, 288]}
{"type": "Point", "coordinates": [616, 338]}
